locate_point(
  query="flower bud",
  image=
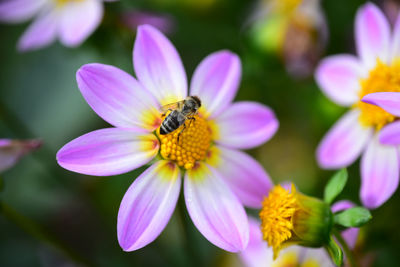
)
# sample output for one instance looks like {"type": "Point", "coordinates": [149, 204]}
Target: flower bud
{"type": "Point", "coordinates": [289, 217]}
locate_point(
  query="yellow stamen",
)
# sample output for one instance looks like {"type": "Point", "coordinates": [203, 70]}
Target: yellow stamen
{"type": "Point", "coordinates": [194, 142]}
{"type": "Point", "coordinates": [384, 78]}
{"type": "Point", "coordinates": [276, 216]}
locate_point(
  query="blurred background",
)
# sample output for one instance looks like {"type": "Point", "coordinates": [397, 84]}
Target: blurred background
{"type": "Point", "coordinates": [39, 98]}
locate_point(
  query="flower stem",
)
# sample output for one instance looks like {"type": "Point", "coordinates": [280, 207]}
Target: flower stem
{"type": "Point", "coordinates": [39, 233]}
{"type": "Point", "coordinates": [349, 254]}
{"type": "Point", "coordinates": [193, 258]}
{"type": "Point", "coordinates": [1, 184]}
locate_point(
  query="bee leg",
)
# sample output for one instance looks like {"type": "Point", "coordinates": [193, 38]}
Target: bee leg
{"type": "Point", "coordinates": [179, 134]}
{"type": "Point", "coordinates": [191, 120]}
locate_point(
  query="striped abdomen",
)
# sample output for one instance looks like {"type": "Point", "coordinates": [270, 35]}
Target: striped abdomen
{"type": "Point", "coordinates": [171, 122]}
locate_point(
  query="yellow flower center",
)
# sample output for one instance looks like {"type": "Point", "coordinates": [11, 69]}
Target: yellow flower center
{"type": "Point", "coordinates": [276, 216]}
{"type": "Point", "coordinates": [63, 2]}
{"type": "Point", "coordinates": [193, 144]}
{"type": "Point", "coordinates": [383, 78]}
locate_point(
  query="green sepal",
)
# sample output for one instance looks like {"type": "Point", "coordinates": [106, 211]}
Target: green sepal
{"type": "Point", "coordinates": [335, 252]}
{"type": "Point", "coordinates": [335, 185]}
{"type": "Point", "coordinates": [353, 217]}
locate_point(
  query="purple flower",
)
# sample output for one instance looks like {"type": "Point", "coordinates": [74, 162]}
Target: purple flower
{"type": "Point", "coordinates": [70, 21]}
{"type": "Point", "coordinates": [218, 178]}
{"type": "Point", "coordinates": [346, 80]}
{"type": "Point", "coordinates": [12, 150]}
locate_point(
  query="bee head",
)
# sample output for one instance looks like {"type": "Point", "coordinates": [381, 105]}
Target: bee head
{"type": "Point", "coordinates": [197, 100]}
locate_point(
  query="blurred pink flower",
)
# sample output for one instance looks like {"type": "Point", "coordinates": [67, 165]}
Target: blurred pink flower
{"type": "Point", "coordinates": [346, 79]}
{"type": "Point", "coordinates": [71, 21]}
{"type": "Point", "coordinates": [12, 150]}
{"type": "Point", "coordinates": [216, 184]}
{"type": "Point", "coordinates": [134, 18]}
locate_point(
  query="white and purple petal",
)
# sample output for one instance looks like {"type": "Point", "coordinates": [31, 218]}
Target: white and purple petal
{"type": "Point", "coordinates": [15, 11]}
{"type": "Point", "coordinates": [389, 101]}
{"type": "Point", "coordinates": [372, 34]}
{"type": "Point", "coordinates": [245, 125]}
{"type": "Point", "coordinates": [108, 151]}
{"type": "Point", "coordinates": [257, 253]}
{"type": "Point", "coordinates": [214, 209]}
{"type": "Point", "coordinates": [379, 173]}
{"type": "Point", "coordinates": [344, 142]}
{"type": "Point", "coordinates": [245, 176]}
{"type": "Point", "coordinates": [390, 134]}
{"type": "Point", "coordinates": [78, 19]}
{"type": "Point", "coordinates": [395, 42]}
{"type": "Point", "coordinates": [158, 65]}
{"type": "Point", "coordinates": [338, 77]}
{"type": "Point", "coordinates": [148, 205]}
{"type": "Point", "coordinates": [216, 81]}
{"type": "Point", "coordinates": [40, 33]}
{"type": "Point", "coordinates": [117, 97]}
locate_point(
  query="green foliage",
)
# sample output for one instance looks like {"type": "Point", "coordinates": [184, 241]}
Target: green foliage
{"type": "Point", "coordinates": [335, 252]}
{"type": "Point", "coordinates": [335, 185]}
{"type": "Point", "coordinates": [353, 217]}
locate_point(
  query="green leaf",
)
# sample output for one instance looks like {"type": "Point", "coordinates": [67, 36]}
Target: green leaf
{"type": "Point", "coordinates": [353, 217]}
{"type": "Point", "coordinates": [335, 186]}
{"type": "Point", "coordinates": [335, 252]}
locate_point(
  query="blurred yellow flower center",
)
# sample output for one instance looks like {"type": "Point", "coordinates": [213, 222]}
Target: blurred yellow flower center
{"type": "Point", "coordinates": [292, 259]}
{"type": "Point", "coordinates": [276, 216]}
{"type": "Point", "coordinates": [310, 263]}
{"type": "Point", "coordinates": [284, 6]}
{"type": "Point", "coordinates": [63, 2]}
{"type": "Point", "coordinates": [289, 259]}
{"type": "Point", "coordinates": [194, 142]}
{"type": "Point", "coordinates": [383, 78]}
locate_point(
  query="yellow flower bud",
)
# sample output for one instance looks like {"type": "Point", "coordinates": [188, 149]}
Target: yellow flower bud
{"type": "Point", "coordinates": [289, 217]}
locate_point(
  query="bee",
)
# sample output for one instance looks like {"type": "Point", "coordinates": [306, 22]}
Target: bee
{"type": "Point", "coordinates": [181, 111]}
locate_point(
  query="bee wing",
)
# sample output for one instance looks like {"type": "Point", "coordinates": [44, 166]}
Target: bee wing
{"type": "Point", "coordinates": [171, 106]}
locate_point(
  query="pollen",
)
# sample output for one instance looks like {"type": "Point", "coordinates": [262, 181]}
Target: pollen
{"type": "Point", "coordinates": [193, 144]}
{"type": "Point", "coordinates": [384, 78]}
{"type": "Point", "coordinates": [276, 217]}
